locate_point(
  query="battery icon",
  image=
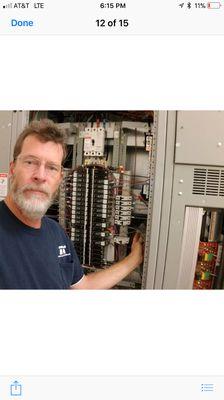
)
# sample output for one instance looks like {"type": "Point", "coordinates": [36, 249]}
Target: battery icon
{"type": "Point", "coordinates": [214, 5]}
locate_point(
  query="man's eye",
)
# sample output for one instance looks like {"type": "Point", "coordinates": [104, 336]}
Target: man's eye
{"type": "Point", "coordinates": [52, 168]}
{"type": "Point", "coordinates": [29, 162]}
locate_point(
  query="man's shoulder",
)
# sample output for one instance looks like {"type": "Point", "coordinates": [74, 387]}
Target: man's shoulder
{"type": "Point", "coordinates": [5, 213]}
{"type": "Point", "coordinates": [2, 203]}
{"type": "Point", "coordinates": [2, 211]}
{"type": "Point", "coordinates": [51, 224]}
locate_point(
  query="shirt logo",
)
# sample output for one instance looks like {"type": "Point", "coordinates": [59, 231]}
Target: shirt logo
{"type": "Point", "coordinates": [62, 251]}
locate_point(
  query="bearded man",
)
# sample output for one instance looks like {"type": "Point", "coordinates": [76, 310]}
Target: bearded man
{"type": "Point", "coordinates": [31, 244]}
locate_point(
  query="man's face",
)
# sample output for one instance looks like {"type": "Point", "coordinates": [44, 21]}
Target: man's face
{"type": "Point", "coordinates": [35, 176]}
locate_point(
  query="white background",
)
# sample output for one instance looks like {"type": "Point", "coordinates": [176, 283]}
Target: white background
{"type": "Point", "coordinates": [111, 333]}
{"type": "Point", "coordinates": [112, 72]}
{"type": "Point", "coordinates": [160, 332]}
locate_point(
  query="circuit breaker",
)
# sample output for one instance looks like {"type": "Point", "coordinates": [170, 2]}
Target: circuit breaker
{"type": "Point", "coordinates": [94, 142]}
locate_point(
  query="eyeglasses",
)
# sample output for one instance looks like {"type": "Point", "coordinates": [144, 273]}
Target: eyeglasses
{"type": "Point", "coordinates": [32, 164]}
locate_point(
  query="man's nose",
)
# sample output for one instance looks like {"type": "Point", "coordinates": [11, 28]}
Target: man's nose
{"type": "Point", "coordinates": [40, 173]}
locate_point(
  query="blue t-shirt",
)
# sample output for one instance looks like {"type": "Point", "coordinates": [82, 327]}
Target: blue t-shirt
{"type": "Point", "coordinates": [35, 258]}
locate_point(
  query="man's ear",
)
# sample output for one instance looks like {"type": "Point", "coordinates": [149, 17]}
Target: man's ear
{"type": "Point", "coordinates": [11, 168]}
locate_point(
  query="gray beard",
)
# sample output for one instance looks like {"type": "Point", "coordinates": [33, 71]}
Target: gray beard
{"type": "Point", "coordinates": [34, 207]}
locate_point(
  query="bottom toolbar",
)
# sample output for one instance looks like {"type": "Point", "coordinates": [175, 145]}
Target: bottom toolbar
{"type": "Point", "coordinates": [111, 387]}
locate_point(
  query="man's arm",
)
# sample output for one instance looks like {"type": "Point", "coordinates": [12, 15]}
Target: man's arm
{"type": "Point", "coordinates": [109, 277]}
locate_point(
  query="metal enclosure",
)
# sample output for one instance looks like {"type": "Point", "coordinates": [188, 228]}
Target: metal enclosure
{"type": "Point", "coordinates": [200, 137]}
{"type": "Point", "coordinates": [11, 125]}
{"type": "Point", "coordinates": [189, 176]}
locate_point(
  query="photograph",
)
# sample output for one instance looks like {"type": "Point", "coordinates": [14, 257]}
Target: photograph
{"type": "Point", "coordinates": [111, 199]}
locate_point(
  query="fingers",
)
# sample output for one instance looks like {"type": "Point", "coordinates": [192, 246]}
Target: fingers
{"type": "Point", "coordinates": [137, 238]}
{"type": "Point", "coordinates": [141, 239]}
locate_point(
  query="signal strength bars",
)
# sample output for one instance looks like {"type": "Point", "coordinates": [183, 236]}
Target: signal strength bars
{"type": "Point", "coordinates": [9, 5]}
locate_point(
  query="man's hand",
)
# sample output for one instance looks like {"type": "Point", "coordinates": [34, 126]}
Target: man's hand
{"type": "Point", "coordinates": [109, 277]}
{"type": "Point", "coordinates": [137, 249]}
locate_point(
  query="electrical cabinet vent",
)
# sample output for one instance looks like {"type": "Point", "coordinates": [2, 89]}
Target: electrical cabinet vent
{"type": "Point", "coordinates": [209, 182]}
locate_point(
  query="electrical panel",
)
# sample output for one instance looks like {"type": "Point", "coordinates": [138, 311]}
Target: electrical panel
{"type": "Point", "coordinates": [187, 222]}
{"type": "Point", "coordinates": [163, 177]}
{"type": "Point", "coordinates": [105, 193]}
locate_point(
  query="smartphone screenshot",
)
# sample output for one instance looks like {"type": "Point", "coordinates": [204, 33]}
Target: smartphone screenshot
{"type": "Point", "coordinates": [111, 200]}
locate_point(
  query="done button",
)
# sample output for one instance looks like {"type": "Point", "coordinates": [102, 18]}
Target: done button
{"type": "Point", "coordinates": [16, 22]}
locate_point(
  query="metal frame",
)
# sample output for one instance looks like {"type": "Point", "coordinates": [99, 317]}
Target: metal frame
{"type": "Point", "coordinates": [116, 148]}
{"type": "Point", "coordinates": [19, 120]}
{"type": "Point", "coordinates": [123, 147]}
{"type": "Point", "coordinates": [157, 168]}
{"type": "Point", "coordinates": [166, 199]}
